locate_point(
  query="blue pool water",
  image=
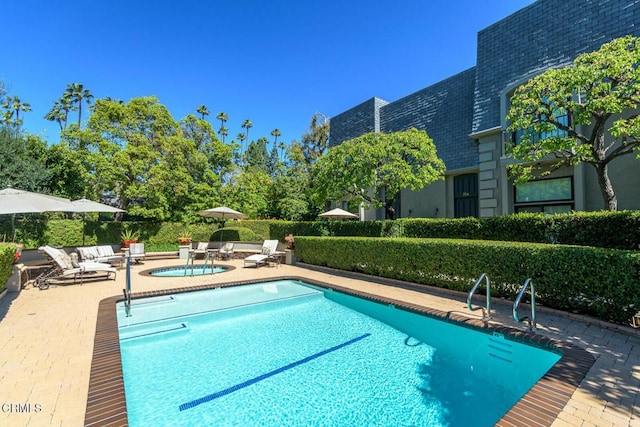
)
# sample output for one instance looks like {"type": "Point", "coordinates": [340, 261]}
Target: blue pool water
{"type": "Point", "coordinates": [286, 354]}
{"type": "Point", "coordinates": [197, 270]}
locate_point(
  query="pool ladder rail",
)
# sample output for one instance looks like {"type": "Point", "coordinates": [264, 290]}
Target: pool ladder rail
{"type": "Point", "coordinates": [532, 318]}
{"type": "Point", "coordinates": [127, 290]}
{"type": "Point", "coordinates": [486, 311]}
{"type": "Point", "coordinates": [191, 257]}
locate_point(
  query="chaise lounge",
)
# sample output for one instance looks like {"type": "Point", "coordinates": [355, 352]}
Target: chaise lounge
{"type": "Point", "coordinates": [268, 249]}
{"type": "Point", "coordinates": [65, 267]}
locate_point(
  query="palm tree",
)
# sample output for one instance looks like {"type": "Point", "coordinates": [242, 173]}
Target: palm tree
{"type": "Point", "coordinates": [203, 110]}
{"type": "Point", "coordinates": [67, 105]}
{"type": "Point", "coordinates": [241, 136]}
{"type": "Point", "coordinates": [247, 125]}
{"type": "Point", "coordinates": [223, 117]}
{"type": "Point", "coordinates": [57, 114]}
{"type": "Point", "coordinates": [282, 147]}
{"type": "Point", "coordinates": [275, 133]}
{"type": "Point", "coordinates": [6, 116]}
{"type": "Point", "coordinates": [14, 104]}
{"type": "Point", "coordinates": [224, 132]}
{"type": "Point", "coordinates": [77, 92]}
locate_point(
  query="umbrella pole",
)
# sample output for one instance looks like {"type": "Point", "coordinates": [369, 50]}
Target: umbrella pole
{"type": "Point", "coordinates": [13, 228]}
{"type": "Point", "coordinates": [220, 246]}
{"type": "Point", "coordinates": [84, 216]}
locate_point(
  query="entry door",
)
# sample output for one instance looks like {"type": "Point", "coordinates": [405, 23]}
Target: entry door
{"type": "Point", "coordinates": [465, 195]}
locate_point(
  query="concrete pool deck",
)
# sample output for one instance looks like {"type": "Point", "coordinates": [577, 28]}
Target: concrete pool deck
{"type": "Point", "coordinates": [47, 337]}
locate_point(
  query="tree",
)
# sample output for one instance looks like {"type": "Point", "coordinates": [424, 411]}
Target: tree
{"type": "Point", "coordinates": [138, 156]}
{"type": "Point", "coordinates": [241, 136]}
{"type": "Point", "coordinates": [247, 125]}
{"type": "Point", "coordinates": [583, 113]}
{"type": "Point", "coordinates": [21, 164]}
{"type": "Point", "coordinates": [223, 117]}
{"type": "Point", "coordinates": [13, 104]}
{"type": "Point", "coordinates": [56, 114]}
{"type": "Point", "coordinates": [223, 131]}
{"type": "Point", "coordinates": [203, 111]}
{"type": "Point", "coordinates": [275, 134]}
{"type": "Point", "coordinates": [257, 155]}
{"type": "Point", "coordinates": [273, 164]}
{"type": "Point", "coordinates": [374, 167]}
{"type": "Point", "coordinates": [76, 93]}
{"type": "Point", "coordinates": [316, 140]}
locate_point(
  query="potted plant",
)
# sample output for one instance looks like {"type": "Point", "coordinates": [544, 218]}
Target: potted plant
{"type": "Point", "coordinates": [184, 238]}
{"type": "Point", "coordinates": [128, 236]}
{"type": "Point", "coordinates": [16, 257]}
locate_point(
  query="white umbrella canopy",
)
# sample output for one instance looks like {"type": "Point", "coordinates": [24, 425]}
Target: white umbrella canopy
{"type": "Point", "coordinates": [13, 201]}
{"type": "Point", "coordinates": [85, 205]}
{"type": "Point", "coordinates": [222, 212]}
{"type": "Point", "coordinates": [338, 213]}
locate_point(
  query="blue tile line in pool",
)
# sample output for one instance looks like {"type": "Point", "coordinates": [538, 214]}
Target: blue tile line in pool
{"type": "Point", "coordinates": [237, 387]}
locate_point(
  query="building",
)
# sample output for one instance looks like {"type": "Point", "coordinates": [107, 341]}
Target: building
{"type": "Point", "coordinates": [465, 116]}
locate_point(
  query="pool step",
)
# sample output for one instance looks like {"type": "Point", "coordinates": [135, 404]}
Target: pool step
{"type": "Point", "coordinates": [135, 332]}
{"type": "Point", "coordinates": [500, 349]}
{"type": "Point", "coordinates": [153, 301]}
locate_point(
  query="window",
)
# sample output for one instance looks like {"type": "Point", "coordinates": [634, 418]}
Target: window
{"type": "Point", "coordinates": [564, 119]}
{"type": "Point", "coordinates": [546, 195]}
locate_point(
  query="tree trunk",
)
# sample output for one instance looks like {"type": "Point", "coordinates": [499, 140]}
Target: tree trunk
{"type": "Point", "coordinates": [608, 195]}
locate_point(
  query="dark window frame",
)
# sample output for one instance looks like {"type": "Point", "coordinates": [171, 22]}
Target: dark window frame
{"type": "Point", "coordinates": [521, 206]}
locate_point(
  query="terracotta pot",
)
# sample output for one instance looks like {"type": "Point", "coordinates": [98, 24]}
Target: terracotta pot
{"type": "Point", "coordinates": [126, 243]}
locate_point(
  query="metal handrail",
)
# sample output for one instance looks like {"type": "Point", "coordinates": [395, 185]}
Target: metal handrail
{"type": "Point", "coordinates": [485, 314]}
{"type": "Point", "coordinates": [127, 290]}
{"type": "Point", "coordinates": [532, 319]}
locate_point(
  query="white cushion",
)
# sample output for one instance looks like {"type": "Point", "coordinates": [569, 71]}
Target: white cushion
{"type": "Point", "coordinates": [105, 250]}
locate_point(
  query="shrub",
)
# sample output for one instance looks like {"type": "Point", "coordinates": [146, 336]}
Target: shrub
{"type": "Point", "coordinates": [7, 252]}
{"type": "Point", "coordinates": [587, 280]}
{"type": "Point", "coordinates": [236, 234]}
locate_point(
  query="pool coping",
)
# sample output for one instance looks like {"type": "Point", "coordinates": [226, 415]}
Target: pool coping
{"type": "Point", "coordinates": [147, 272]}
{"type": "Point", "coordinates": [541, 405]}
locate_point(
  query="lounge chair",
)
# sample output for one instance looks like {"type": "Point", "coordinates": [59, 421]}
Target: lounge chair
{"type": "Point", "coordinates": [268, 248]}
{"type": "Point", "coordinates": [226, 251]}
{"type": "Point", "coordinates": [200, 249]}
{"type": "Point", "coordinates": [65, 267]}
{"type": "Point", "coordinates": [136, 252]}
{"type": "Point", "coordinates": [102, 253]}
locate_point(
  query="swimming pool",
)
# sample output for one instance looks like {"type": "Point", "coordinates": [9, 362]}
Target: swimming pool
{"type": "Point", "coordinates": [196, 270]}
{"type": "Point", "coordinates": [276, 354]}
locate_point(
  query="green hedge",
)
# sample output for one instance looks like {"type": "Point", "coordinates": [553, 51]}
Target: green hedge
{"type": "Point", "coordinates": [7, 253]}
{"type": "Point", "coordinates": [616, 230]}
{"type": "Point", "coordinates": [587, 280]}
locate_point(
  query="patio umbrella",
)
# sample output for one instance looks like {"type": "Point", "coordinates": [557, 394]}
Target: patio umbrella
{"type": "Point", "coordinates": [223, 213]}
{"type": "Point", "coordinates": [338, 213]}
{"type": "Point", "coordinates": [85, 205]}
{"type": "Point", "coordinates": [14, 201]}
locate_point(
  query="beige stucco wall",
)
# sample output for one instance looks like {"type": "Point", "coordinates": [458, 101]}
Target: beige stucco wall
{"type": "Point", "coordinates": [430, 202]}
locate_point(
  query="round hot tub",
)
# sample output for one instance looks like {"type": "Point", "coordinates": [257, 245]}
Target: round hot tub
{"type": "Point", "coordinates": [180, 271]}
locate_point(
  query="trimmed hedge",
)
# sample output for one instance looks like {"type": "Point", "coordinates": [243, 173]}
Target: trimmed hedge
{"type": "Point", "coordinates": [587, 280]}
{"type": "Point", "coordinates": [616, 230]}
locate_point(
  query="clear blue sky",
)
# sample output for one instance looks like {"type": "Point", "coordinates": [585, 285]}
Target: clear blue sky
{"type": "Point", "coordinates": [274, 62]}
